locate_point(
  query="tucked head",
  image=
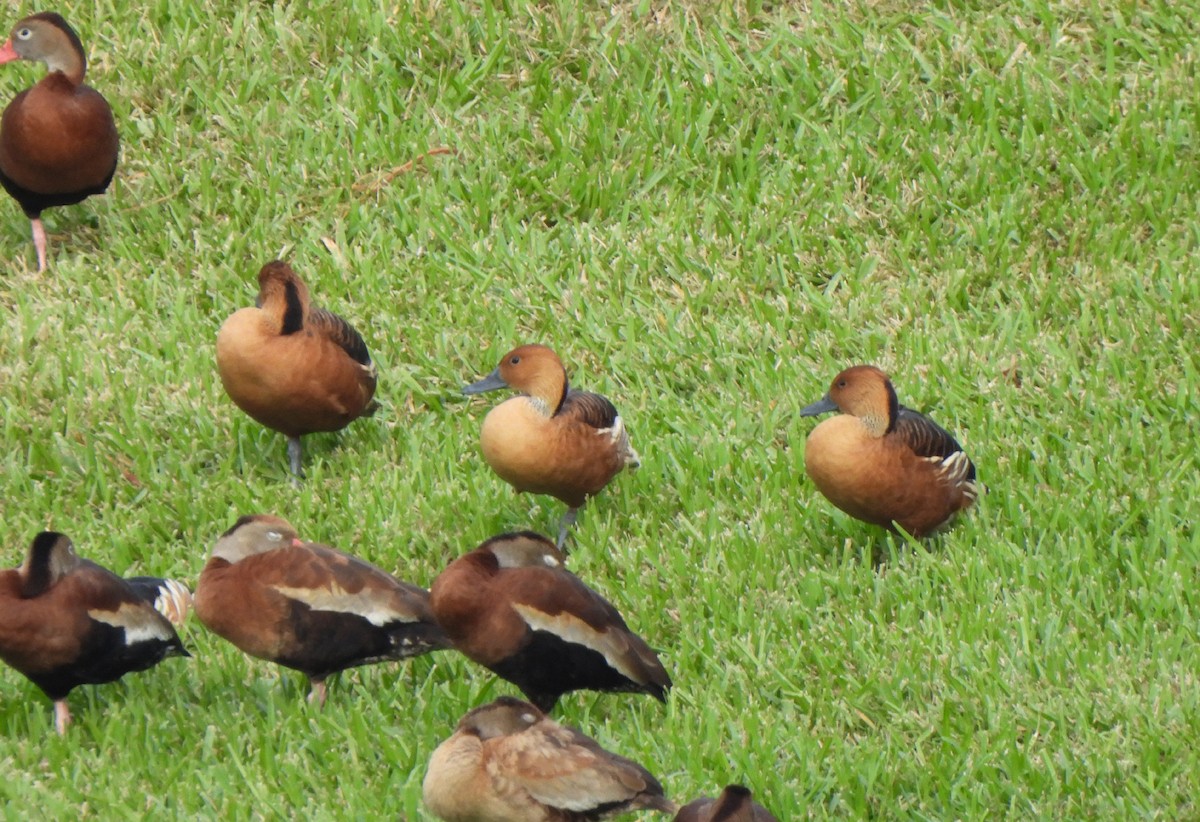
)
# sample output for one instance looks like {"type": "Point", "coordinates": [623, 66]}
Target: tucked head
{"type": "Point", "coordinates": [531, 369]}
{"type": "Point", "coordinates": [279, 285]}
{"type": "Point", "coordinates": [47, 38]}
{"type": "Point", "coordinates": [507, 715]}
{"type": "Point", "coordinates": [524, 549]}
{"type": "Point", "coordinates": [51, 557]}
{"type": "Point", "coordinates": [255, 534]}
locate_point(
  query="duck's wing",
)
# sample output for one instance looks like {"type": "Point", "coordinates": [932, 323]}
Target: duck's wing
{"type": "Point", "coordinates": [592, 409]}
{"type": "Point", "coordinates": [928, 439]}
{"type": "Point", "coordinates": [342, 333]}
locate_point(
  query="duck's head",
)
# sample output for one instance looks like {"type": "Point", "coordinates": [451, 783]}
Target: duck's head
{"type": "Point", "coordinates": [524, 549]}
{"type": "Point", "coordinates": [51, 557]}
{"type": "Point", "coordinates": [47, 38]}
{"type": "Point", "coordinates": [504, 717]}
{"type": "Point", "coordinates": [255, 534]}
{"type": "Point", "coordinates": [862, 391]}
{"type": "Point", "coordinates": [531, 369]}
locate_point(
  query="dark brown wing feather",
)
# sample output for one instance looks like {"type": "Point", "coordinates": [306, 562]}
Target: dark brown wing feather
{"type": "Point", "coordinates": [342, 333]}
{"type": "Point", "coordinates": [925, 437]}
{"type": "Point", "coordinates": [590, 408]}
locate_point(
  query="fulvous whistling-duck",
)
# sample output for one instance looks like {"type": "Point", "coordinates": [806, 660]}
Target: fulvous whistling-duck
{"type": "Point", "coordinates": [883, 463]}
{"type": "Point", "coordinates": [551, 439]}
{"type": "Point", "coordinates": [294, 368]}
{"type": "Point", "coordinates": [511, 606]}
{"type": "Point", "coordinates": [735, 804]}
{"type": "Point", "coordinates": [309, 607]}
{"type": "Point", "coordinates": [65, 621]}
{"type": "Point", "coordinates": [508, 761]}
{"type": "Point", "coordinates": [58, 141]}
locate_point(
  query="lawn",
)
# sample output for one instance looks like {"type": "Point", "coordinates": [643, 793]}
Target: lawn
{"type": "Point", "coordinates": [708, 210]}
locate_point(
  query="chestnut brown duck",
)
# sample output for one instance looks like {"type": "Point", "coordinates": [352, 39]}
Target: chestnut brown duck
{"type": "Point", "coordinates": [294, 368]}
{"type": "Point", "coordinates": [511, 606]}
{"type": "Point", "coordinates": [883, 463]}
{"type": "Point", "coordinates": [65, 622]}
{"type": "Point", "coordinates": [551, 439]}
{"type": "Point", "coordinates": [509, 762]}
{"type": "Point", "coordinates": [309, 607]}
{"type": "Point", "coordinates": [58, 141]}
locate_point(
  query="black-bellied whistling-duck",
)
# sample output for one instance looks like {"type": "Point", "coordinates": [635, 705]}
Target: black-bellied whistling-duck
{"type": "Point", "coordinates": [551, 439]}
{"type": "Point", "coordinates": [509, 762]}
{"type": "Point", "coordinates": [511, 606]}
{"type": "Point", "coordinates": [65, 621]}
{"type": "Point", "coordinates": [883, 463]}
{"type": "Point", "coordinates": [735, 804]}
{"type": "Point", "coordinates": [58, 141]}
{"type": "Point", "coordinates": [309, 607]}
{"type": "Point", "coordinates": [294, 368]}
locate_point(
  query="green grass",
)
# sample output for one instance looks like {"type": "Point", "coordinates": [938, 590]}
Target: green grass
{"type": "Point", "coordinates": [708, 210]}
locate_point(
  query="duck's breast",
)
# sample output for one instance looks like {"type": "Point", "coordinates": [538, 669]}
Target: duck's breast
{"type": "Point", "coordinates": [561, 455]}
{"type": "Point", "coordinates": [56, 138]}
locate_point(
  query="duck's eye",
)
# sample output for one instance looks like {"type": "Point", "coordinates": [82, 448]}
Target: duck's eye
{"type": "Point", "coordinates": [841, 383]}
{"type": "Point", "coordinates": [514, 361]}
{"type": "Point", "coordinates": [274, 536]}
{"type": "Point", "coordinates": [24, 34]}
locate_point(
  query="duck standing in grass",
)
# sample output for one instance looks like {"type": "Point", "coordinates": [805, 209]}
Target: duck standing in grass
{"type": "Point", "coordinates": [58, 141]}
{"type": "Point", "coordinates": [509, 762]}
{"type": "Point", "coordinates": [65, 621]}
{"type": "Point", "coordinates": [735, 804]}
{"type": "Point", "coordinates": [294, 368]}
{"type": "Point", "coordinates": [309, 607]}
{"type": "Point", "coordinates": [511, 606]}
{"type": "Point", "coordinates": [551, 439]}
{"type": "Point", "coordinates": [883, 463]}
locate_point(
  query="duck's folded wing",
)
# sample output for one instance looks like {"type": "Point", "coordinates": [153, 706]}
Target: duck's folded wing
{"type": "Point", "coordinates": [561, 768]}
{"type": "Point", "coordinates": [342, 333]}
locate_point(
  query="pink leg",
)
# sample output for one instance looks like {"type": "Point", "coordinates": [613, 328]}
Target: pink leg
{"type": "Point", "coordinates": [62, 716]}
{"type": "Point", "coordinates": [39, 242]}
{"type": "Point", "coordinates": [317, 694]}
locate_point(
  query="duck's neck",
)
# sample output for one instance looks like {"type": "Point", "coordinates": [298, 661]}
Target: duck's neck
{"type": "Point", "coordinates": [882, 419]}
{"type": "Point", "coordinates": [548, 393]}
{"type": "Point", "coordinates": [71, 63]}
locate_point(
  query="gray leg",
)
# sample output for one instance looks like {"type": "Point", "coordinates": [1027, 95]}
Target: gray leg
{"type": "Point", "coordinates": [564, 526]}
{"type": "Point", "coordinates": [294, 452]}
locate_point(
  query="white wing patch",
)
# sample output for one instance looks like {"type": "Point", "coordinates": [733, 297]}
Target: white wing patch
{"type": "Point", "coordinates": [579, 632]}
{"type": "Point", "coordinates": [616, 433]}
{"type": "Point", "coordinates": [336, 599]}
{"type": "Point", "coordinates": [138, 623]}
